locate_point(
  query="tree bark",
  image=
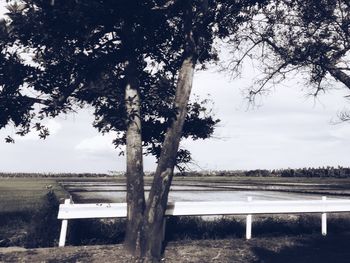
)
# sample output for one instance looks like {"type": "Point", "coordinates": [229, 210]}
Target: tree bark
{"type": "Point", "coordinates": [158, 196]}
{"type": "Point", "coordinates": [135, 197]}
{"type": "Point", "coordinates": [340, 76]}
{"type": "Point", "coordinates": [144, 236]}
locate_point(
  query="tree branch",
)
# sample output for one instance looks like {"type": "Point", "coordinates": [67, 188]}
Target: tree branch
{"type": "Point", "coordinates": [38, 100]}
{"type": "Point", "coordinates": [339, 75]}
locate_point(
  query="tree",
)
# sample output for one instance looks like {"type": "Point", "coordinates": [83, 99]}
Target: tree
{"type": "Point", "coordinates": [308, 37]}
{"type": "Point", "coordinates": [133, 61]}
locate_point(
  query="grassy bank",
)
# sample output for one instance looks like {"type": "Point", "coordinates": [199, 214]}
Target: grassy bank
{"type": "Point", "coordinates": [28, 211]}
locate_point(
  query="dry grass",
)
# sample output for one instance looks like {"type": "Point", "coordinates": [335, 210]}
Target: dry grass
{"type": "Point", "coordinates": [301, 249]}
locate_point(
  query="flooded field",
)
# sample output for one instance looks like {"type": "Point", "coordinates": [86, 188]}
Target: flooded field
{"type": "Point", "coordinates": [221, 189]}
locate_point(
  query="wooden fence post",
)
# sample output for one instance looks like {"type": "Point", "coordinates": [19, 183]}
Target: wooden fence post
{"type": "Point", "coordinates": [324, 220]}
{"type": "Point", "coordinates": [64, 227]}
{"type": "Point", "coordinates": [248, 232]}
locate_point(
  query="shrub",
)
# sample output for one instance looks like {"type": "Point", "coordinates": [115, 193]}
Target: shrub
{"type": "Point", "coordinates": [44, 226]}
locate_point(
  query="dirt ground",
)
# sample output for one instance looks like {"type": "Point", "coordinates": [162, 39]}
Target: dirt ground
{"type": "Point", "coordinates": [301, 249]}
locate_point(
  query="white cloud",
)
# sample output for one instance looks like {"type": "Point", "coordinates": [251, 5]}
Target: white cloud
{"type": "Point", "coordinates": [53, 126]}
{"type": "Point", "coordinates": [3, 9]}
{"type": "Point", "coordinates": [341, 132]}
{"type": "Point", "coordinates": [97, 144]}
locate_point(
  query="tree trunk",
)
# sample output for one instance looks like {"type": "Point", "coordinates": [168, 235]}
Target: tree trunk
{"type": "Point", "coordinates": [135, 197]}
{"type": "Point", "coordinates": [158, 196]}
{"type": "Point", "coordinates": [144, 234]}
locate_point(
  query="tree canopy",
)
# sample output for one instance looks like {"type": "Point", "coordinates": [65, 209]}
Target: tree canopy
{"type": "Point", "coordinates": [71, 54]}
{"type": "Point", "coordinates": [307, 37]}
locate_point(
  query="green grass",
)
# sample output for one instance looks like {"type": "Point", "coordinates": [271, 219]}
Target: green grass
{"type": "Point", "coordinates": [26, 194]}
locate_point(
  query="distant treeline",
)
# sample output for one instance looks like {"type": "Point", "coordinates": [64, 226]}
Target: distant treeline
{"type": "Point", "coordinates": [339, 172]}
{"type": "Point", "coordinates": [54, 175]}
{"type": "Point", "coordinates": [335, 172]}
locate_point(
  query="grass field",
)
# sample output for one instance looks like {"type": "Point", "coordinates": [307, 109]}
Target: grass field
{"type": "Point", "coordinates": [26, 194]}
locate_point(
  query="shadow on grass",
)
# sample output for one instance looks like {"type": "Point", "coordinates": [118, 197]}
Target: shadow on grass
{"type": "Point", "coordinates": [96, 231]}
{"type": "Point", "coordinates": [56, 258]}
{"type": "Point", "coordinates": [194, 228]}
{"type": "Point", "coordinates": [333, 248]}
{"type": "Point", "coordinates": [13, 228]}
{"type": "Point", "coordinates": [77, 257]}
{"type": "Point", "coordinates": [13, 256]}
{"type": "Point", "coordinates": [112, 231]}
{"type": "Point", "coordinates": [31, 228]}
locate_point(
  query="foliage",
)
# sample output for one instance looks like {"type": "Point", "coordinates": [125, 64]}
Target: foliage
{"type": "Point", "coordinates": [308, 37]}
{"type": "Point", "coordinates": [320, 172]}
{"type": "Point", "coordinates": [340, 172]}
{"type": "Point", "coordinates": [58, 58]}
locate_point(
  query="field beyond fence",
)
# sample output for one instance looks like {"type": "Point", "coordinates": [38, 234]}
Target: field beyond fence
{"type": "Point", "coordinates": [28, 210]}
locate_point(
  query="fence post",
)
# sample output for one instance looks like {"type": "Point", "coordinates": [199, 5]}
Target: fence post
{"type": "Point", "coordinates": [163, 228]}
{"type": "Point", "coordinates": [248, 232]}
{"type": "Point", "coordinates": [324, 220]}
{"type": "Point", "coordinates": [64, 227]}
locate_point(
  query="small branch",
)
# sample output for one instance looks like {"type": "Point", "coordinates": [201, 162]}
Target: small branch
{"type": "Point", "coordinates": [245, 54]}
{"type": "Point", "coordinates": [344, 116]}
{"type": "Point", "coordinates": [38, 100]}
{"type": "Point", "coordinates": [271, 76]}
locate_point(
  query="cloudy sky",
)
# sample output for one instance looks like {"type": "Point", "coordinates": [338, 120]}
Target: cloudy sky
{"type": "Point", "coordinates": [288, 129]}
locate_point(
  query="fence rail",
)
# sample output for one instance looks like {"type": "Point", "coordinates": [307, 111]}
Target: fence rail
{"type": "Point", "coordinates": [250, 207]}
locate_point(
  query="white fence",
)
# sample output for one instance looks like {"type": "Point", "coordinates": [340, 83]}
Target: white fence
{"type": "Point", "coordinates": [112, 210]}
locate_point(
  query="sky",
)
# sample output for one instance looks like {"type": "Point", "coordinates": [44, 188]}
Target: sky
{"type": "Point", "coordinates": [286, 129]}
